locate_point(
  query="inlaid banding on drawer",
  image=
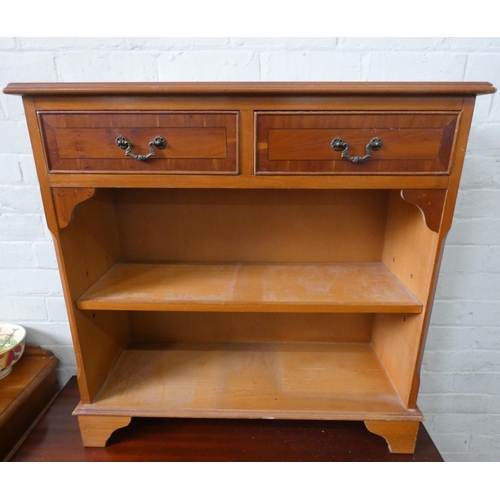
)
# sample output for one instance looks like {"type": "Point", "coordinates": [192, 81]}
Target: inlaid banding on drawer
{"type": "Point", "coordinates": [301, 143]}
{"type": "Point", "coordinates": [198, 142]}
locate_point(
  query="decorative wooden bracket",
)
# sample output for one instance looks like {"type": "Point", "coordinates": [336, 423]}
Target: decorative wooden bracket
{"type": "Point", "coordinates": [430, 202]}
{"type": "Point", "coordinates": [401, 437]}
{"type": "Point", "coordinates": [96, 430]}
{"type": "Point", "coordinates": [65, 201]}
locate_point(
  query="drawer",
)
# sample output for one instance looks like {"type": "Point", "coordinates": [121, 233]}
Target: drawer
{"type": "Point", "coordinates": [194, 142]}
{"type": "Point", "coordinates": [301, 143]}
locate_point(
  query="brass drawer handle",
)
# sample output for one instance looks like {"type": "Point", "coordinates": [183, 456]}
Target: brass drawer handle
{"type": "Point", "coordinates": [124, 143]}
{"type": "Point", "coordinates": [339, 145]}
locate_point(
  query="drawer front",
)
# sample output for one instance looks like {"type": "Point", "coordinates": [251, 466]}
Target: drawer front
{"type": "Point", "coordinates": [301, 143]}
{"type": "Point", "coordinates": [196, 142]}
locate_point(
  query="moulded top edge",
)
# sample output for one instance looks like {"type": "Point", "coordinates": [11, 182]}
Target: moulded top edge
{"type": "Point", "coordinates": [275, 88]}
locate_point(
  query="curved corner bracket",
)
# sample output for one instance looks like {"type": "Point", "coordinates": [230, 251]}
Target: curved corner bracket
{"type": "Point", "coordinates": [401, 437]}
{"type": "Point", "coordinates": [430, 202]}
{"type": "Point", "coordinates": [65, 201]}
{"type": "Point", "coordinates": [96, 429]}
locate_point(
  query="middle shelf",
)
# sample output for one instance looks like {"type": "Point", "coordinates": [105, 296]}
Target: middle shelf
{"type": "Point", "coordinates": [364, 287]}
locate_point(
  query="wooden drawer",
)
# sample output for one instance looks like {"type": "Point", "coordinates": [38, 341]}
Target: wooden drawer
{"type": "Point", "coordinates": [301, 143]}
{"type": "Point", "coordinates": [196, 142]}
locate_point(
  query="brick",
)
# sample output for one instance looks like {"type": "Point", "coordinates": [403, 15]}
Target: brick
{"type": "Point", "coordinates": [415, 66]}
{"type": "Point", "coordinates": [11, 108]}
{"type": "Point", "coordinates": [474, 232]}
{"type": "Point", "coordinates": [483, 67]}
{"type": "Point", "coordinates": [465, 313]}
{"type": "Point", "coordinates": [28, 169]}
{"type": "Point", "coordinates": [15, 138]}
{"type": "Point", "coordinates": [10, 171]}
{"type": "Point", "coordinates": [7, 43]}
{"type": "Point", "coordinates": [463, 259]}
{"type": "Point", "coordinates": [472, 44]}
{"type": "Point", "coordinates": [21, 227]}
{"type": "Point", "coordinates": [433, 383]}
{"type": "Point", "coordinates": [469, 286]}
{"type": "Point", "coordinates": [369, 44]}
{"type": "Point", "coordinates": [480, 444]}
{"type": "Point", "coordinates": [56, 309]}
{"type": "Point", "coordinates": [16, 309]}
{"type": "Point", "coordinates": [63, 352]}
{"type": "Point", "coordinates": [480, 171]}
{"type": "Point", "coordinates": [106, 66]}
{"type": "Point", "coordinates": [30, 282]}
{"type": "Point", "coordinates": [469, 457]}
{"type": "Point", "coordinates": [478, 203]}
{"type": "Point", "coordinates": [495, 405]}
{"type": "Point", "coordinates": [57, 44]}
{"type": "Point", "coordinates": [452, 443]}
{"type": "Point", "coordinates": [462, 361]}
{"type": "Point", "coordinates": [16, 255]}
{"type": "Point", "coordinates": [479, 383]}
{"type": "Point", "coordinates": [494, 111]}
{"type": "Point", "coordinates": [45, 255]}
{"type": "Point", "coordinates": [454, 338]}
{"type": "Point", "coordinates": [483, 140]}
{"type": "Point", "coordinates": [492, 259]}
{"type": "Point", "coordinates": [23, 67]}
{"type": "Point", "coordinates": [308, 65]}
{"type": "Point", "coordinates": [284, 43]}
{"type": "Point", "coordinates": [63, 374]}
{"type": "Point", "coordinates": [454, 403]}
{"type": "Point", "coordinates": [462, 423]}
{"type": "Point", "coordinates": [482, 109]}
{"type": "Point", "coordinates": [21, 199]}
{"type": "Point", "coordinates": [207, 65]}
{"type": "Point", "coordinates": [177, 43]}
{"type": "Point", "coordinates": [47, 334]}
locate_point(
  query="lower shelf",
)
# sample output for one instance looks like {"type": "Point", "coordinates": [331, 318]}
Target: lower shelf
{"type": "Point", "coordinates": [343, 381]}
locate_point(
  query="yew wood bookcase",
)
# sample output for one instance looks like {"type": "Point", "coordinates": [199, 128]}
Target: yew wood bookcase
{"type": "Point", "coordinates": [249, 250]}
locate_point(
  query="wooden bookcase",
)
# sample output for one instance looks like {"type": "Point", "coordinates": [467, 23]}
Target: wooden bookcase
{"type": "Point", "coordinates": [254, 266]}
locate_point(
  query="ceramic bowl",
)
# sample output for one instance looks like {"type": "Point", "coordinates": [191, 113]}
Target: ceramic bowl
{"type": "Point", "coordinates": [12, 339]}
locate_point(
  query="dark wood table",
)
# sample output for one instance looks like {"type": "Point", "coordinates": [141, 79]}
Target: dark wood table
{"type": "Point", "coordinates": [56, 437]}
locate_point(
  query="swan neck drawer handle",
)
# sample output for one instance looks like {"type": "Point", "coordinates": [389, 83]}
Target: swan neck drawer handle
{"type": "Point", "coordinates": [339, 145]}
{"type": "Point", "coordinates": [123, 143]}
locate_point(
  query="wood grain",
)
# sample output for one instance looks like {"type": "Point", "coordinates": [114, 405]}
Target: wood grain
{"type": "Point", "coordinates": [234, 225]}
{"type": "Point", "coordinates": [24, 395]}
{"type": "Point", "coordinates": [290, 143]}
{"type": "Point", "coordinates": [252, 88]}
{"type": "Point", "coordinates": [246, 380]}
{"type": "Point", "coordinates": [430, 202]}
{"type": "Point", "coordinates": [249, 327]}
{"type": "Point", "coordinates": [96, 431]}
{"type": "Point", "coordinates": [66, 199]}
{"type": "Point", "coordinates": [85, 141]}
{"type": "Point", "coordinates": [361, 287]}
{"type": "Point", "coordinates": [400, 436]}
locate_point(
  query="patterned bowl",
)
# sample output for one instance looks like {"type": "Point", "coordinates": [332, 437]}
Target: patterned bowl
{"type": "Point", "coordinates": [12, 339]}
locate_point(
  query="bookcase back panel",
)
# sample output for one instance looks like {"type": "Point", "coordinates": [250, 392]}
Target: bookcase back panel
{"type": "Point", "coordinates": [250, 225]}
{"type": "Point", "coordinates": [249, 327]}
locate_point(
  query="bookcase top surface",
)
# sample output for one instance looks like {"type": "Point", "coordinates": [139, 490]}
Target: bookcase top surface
{"type": "Point", "coordinates": [252, 88]}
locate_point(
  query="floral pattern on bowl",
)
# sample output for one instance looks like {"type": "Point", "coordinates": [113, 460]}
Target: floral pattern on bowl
{"type": "Point", "coordinates": [12, 341]}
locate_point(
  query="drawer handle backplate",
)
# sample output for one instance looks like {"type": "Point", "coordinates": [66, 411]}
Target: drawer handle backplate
{"type": "Point", "coordinates": [339, 145]}
{"type": "Point", "coordinates": [123, 143]}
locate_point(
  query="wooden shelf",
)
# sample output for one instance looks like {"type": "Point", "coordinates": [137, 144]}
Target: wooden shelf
{"type": "Point", "coordinates": [367, 287]}
{"type": "Point", "coordinates": [250, 380]}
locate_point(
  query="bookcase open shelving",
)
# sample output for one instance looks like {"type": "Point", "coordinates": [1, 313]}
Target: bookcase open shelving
{"type": "Point", "coordinates": [247, 264]}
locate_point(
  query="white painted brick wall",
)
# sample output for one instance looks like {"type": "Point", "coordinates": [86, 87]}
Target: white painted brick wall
{"type": "Point", "coordinates": [460, 393]}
